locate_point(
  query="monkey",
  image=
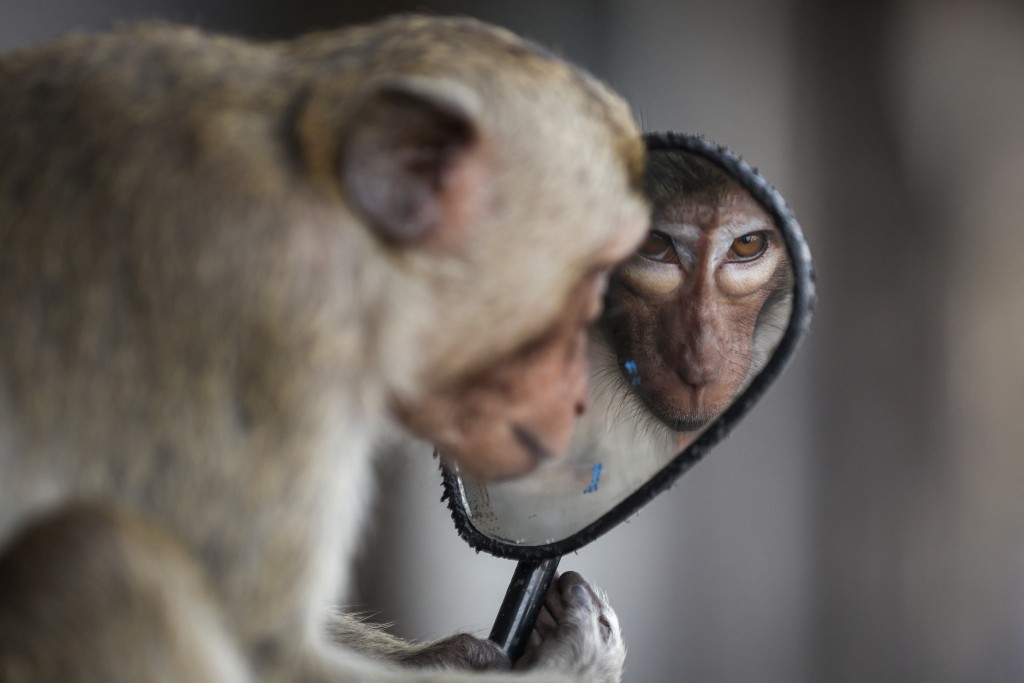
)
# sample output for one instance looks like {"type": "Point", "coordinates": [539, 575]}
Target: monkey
{"type": "Point", "coordinates": [690, 318]}
{"type": "Point", "coordinates": [228, 267]}
{"type": "Point", "coordinates": [696, 313]}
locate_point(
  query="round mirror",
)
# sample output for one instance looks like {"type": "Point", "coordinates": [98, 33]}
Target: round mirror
{"type": "Point", "coordinates": [696, 325]}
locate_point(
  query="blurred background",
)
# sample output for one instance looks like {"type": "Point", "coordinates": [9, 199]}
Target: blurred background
{"type": "Point", "coordinates": [866, 522]}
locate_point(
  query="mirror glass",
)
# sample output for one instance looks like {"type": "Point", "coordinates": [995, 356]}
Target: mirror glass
{"type": "Point", "coordinates": [690, 321]}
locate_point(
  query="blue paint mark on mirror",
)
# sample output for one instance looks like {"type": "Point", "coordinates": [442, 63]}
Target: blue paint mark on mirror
{"type": "Point", "coordinates": [595, 479]}
{"type": "Point", "coordinates": [634, 374]}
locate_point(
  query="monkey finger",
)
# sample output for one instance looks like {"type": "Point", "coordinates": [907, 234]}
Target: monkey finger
{"type": "Point", "coordinates": [589, 602]}
{"type": "Point", "coordinates": [530, 654]}
{"type": "Point", "coordinates": [553, 600]}
{"type": "Point", "coordinates": [569, 579]}
{"type": "Point", "coordinates": [546, 624]}
{"type": "Point", "coordinates": [576, 589]}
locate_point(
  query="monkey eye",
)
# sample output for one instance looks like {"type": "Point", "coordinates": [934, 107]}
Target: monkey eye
{"type": "Point", "coordinates": [748, 247]}
{"type": "Point", "coordinates": [657, 247]}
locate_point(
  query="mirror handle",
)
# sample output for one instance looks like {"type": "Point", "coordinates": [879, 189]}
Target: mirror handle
{"type": "Point", "coordinates": [522, 603]}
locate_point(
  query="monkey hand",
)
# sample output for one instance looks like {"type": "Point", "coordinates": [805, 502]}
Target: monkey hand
{"type": "Point", "coordinates": [576, 633]}
{"type": "Point", "coordinates": [461, 651]}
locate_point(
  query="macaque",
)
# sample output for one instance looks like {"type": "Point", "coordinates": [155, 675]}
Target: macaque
{"type": "Point", "coordinates": [700, 307]}
{"type": "Point", "coordinates": [226, 268]}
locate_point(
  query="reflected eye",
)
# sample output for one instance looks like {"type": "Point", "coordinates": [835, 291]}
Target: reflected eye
{"type": "Point", "coordinates": [657, 247]}
{"type": "Point", "coordinates": [749, 246]}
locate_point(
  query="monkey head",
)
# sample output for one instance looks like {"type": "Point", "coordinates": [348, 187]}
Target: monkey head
{"type": "Point", "coordinates": [412, 222]}
{"type": "Point", "coordinates": [501, 216]}
{"type": "Point", "coordinates": [685, 310]}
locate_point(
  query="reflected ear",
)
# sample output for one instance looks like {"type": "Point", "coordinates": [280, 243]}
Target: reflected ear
{"type": "Point", "coordinates": [405, 160]}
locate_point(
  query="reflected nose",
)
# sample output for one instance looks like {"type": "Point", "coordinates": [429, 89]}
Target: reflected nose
{"type": "Point", "coordinates": [698, 342]}
{"type": "Point", "coordinates": [700, 359]}
{"type": "Point", "coordinates": [698, 372]}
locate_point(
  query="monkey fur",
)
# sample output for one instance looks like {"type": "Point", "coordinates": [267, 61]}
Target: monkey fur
{"type": "Point", "coordinates": [226, 268]}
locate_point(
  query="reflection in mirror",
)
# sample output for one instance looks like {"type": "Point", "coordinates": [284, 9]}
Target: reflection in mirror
{"type": "Point", "coordinates": [690, 319]}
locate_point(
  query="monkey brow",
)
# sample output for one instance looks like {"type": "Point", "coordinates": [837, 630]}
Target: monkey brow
{"type": "Point", "coordinates": [739, 229]}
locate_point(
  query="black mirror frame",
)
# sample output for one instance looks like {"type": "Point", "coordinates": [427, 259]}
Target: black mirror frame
{"type": "Point", "coordinates": [803, 307]}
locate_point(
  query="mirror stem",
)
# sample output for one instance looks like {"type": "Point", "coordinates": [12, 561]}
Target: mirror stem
{"type": "Point", "coordinates": [522, 603]}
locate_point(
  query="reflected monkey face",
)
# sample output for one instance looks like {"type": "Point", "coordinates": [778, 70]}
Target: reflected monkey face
{"type": "Point", "coordinates": [692, 318]}
{"type": "Point", "coordinates": [684, 312]}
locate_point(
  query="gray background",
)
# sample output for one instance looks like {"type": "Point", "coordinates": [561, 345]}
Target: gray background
{"type": "Point", "coordinates": [866, 522]}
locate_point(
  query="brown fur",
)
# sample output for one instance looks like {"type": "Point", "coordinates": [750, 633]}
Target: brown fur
{"type": "Point", "coordinates": [211, 299]}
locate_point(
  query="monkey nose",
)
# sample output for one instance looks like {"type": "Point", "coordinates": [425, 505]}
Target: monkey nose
{"type": "Point", "coordinates": [698, 372]}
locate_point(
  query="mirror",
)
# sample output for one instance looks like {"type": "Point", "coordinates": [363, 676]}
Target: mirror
{"type": "Point", "coordinates": [696, 325]}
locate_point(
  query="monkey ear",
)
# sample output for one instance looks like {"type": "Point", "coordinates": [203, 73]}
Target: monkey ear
{"type": "Point", "coordinates": [402, 155]}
